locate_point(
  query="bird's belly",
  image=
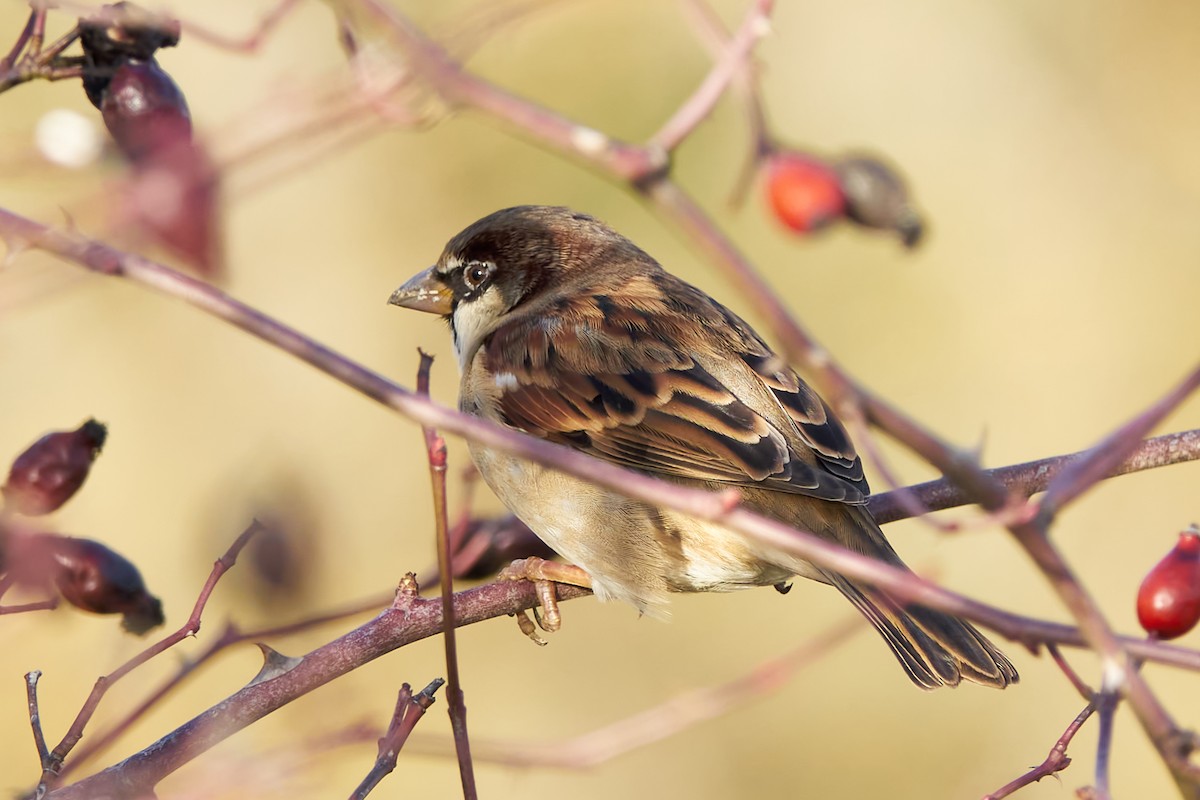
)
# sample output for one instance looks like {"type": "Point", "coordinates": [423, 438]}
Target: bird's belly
{"type": "Point", "coordinates": [633, 551]}
{"type": "Point", "coordinates": [714, 558]}
{"type": "Point", "coordinates": [608, 536]}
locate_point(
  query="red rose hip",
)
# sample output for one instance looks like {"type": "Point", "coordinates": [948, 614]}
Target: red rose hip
{"type": "Point", "coordinates": [805, 192]}
{"type": "Point", "coordinates": [1168, 602]}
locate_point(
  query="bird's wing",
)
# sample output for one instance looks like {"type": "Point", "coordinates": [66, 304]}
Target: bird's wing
{"type": "Point", "coordinates": [621, 382]}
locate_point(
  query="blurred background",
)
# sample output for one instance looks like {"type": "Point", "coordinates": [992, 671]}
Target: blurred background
{"type": "Point", "coordinates": [1052, 147]}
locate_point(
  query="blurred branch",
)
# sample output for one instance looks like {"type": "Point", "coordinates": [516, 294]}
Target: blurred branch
{"type": "Point", "coordinates": [51, 765]}
{"type": "Point", "coordinates": [661, 721]}
{"type": "Point", "coordinates": [730, 62]}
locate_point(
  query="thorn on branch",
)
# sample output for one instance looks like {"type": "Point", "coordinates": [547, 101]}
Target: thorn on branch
{"type": "Point", "coordinates": [274, 664]}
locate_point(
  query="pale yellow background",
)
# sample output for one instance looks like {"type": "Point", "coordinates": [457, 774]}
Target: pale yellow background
{"type": "Point", "coordinates": [1053, 148]}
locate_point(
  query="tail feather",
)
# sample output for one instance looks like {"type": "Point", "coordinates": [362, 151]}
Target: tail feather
{"type": "Point", "coordinates": [935, 649]}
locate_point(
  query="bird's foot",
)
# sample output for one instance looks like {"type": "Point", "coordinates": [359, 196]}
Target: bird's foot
{"type": "Point", "coordinates": [544, 574]}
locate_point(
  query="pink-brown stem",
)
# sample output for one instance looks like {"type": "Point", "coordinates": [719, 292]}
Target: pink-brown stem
{"type": "Point", "coordinates": [1056, 761]}
{"type": "Point", "coordinates": [435, 447]}
{"type": "Point", "coordinates": [409, 710]}
{"type": "Point", "coordinates": [730, 62]}
{"type": "Point", "coordinates": [35, 716]}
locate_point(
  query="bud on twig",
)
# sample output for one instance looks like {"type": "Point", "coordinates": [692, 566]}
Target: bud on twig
{"type": "Point", "coordinates": [52, 469]}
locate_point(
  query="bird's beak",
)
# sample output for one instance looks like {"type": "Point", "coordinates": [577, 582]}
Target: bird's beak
{"type": "Point", "coordinates": [426, 292]}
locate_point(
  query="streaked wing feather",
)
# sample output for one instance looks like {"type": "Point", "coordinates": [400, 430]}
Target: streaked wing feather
{"type": "Point", "coordinates": [609, 385]}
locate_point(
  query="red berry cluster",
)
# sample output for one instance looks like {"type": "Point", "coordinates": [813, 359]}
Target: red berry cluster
{"type": "Point", "coordinates": [86, 573]}
{"type": "Point", "coordinates": [808, 194]}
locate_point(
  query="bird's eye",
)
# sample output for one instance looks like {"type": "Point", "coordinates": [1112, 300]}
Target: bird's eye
{"type": "Point", "coordinates": [476, 273]}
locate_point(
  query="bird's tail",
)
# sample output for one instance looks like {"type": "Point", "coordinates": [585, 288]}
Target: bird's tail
{"type": "Point", "coordinates": [934, 648]}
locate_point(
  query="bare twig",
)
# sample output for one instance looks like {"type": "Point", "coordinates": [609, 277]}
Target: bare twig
{"type": "Point", "coordinates": [250, 42]}
{"type": "Point", "coordinates": [230, 636]}
{"type": "Point", "coordinates": [35, 717]}
{"type": "Point", "coordinates": [1106, 705]}
{"type": "Point", "coordinates": [1056, 761]}
{"type": "Point", "coordinates": [435, 447]}
{"type": "Point", "coordinates": [1080, 685]}
{"type": "Point", "coordinates": [731, 61]}
{"type": "Point", "coordinates": [37, 605]}
{"type": "Point", "coordinates": [189, 628]}
{"type": "Point", "coordinates": [414, 620]}
{"type": "Point", "coordinates": [1032, 477]}
{"type": "Point", "coordinates": [746, 83]}
{"type": "Point", "coordinates": [409, 710]}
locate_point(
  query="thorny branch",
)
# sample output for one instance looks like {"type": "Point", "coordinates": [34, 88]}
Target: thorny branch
{"type": "Point", "coordinates": [195, 739]}
{"type": "Point", "coordinates": [646, 170]}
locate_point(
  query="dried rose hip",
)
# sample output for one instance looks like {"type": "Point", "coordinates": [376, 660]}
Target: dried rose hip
{"type": "Point", "coordinates": [805, 192]}
{"type": "Point", "coordinates": [1168, 602]}
{"type": "Point", "coordinates": [52, 469]}
{"type": "Point", "coordinates": [145, 111]}
{"type": "Point", "coordinates": [86, 573]}
{"type": "Point", "coordinates": [876, 197]}
{"type": "Point", "coordinates": [93, 577]}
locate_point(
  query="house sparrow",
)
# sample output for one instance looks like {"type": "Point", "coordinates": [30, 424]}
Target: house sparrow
{"type": "Point", "coordinates": [568, 331]}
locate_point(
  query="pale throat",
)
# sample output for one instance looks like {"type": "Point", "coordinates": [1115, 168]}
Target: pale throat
{"type": "Point", "coordinates": [473, 320]}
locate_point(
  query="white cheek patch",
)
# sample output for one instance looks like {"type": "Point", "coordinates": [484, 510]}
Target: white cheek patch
{"type": "Point", "coordinates": [473, 320]}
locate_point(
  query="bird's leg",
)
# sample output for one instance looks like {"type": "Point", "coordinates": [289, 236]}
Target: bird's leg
{"type": "Point", "coordinates": [544, 574]}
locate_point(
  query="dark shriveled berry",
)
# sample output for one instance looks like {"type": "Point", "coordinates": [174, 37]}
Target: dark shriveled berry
{"type": "Point", "coordinates": [876, 197]}
{"type": "Point", "coordinates": [117, 34]}
{"type": "Point", "coordinates": [489, 545]}
{"type": "Point", "coordinates": [145, 111]}
{"type": "Point", "coordinates": [1168, 602]}
{"type": "Point", "coordinates": [95, 578]}
{"type": "Point", "coordinates": [52, 469]}
{"type": "Point", "coordinates": [87, 574]}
